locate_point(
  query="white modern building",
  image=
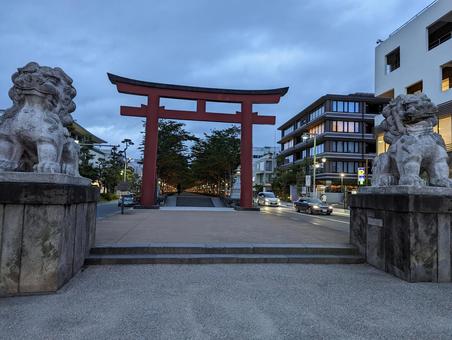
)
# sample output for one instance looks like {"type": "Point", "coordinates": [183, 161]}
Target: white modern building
{"type": "Point", "coordinates": [417, 57]}
{"type": "Point", "coordinates": [263, 170]}
{"type": "Point", "coordinates": [259, 151]}
{"type": "Point", "coordinates": [264, 164]}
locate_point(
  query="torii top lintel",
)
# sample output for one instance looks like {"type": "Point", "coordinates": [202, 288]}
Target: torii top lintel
{"type": "Point", "coordinates": [154, 91]}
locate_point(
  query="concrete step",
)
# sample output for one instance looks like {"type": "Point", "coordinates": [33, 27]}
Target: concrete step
{"type": "Point", "coordinates": [225, 248]}
{"type": "Point", "coordinates": [220, 259]}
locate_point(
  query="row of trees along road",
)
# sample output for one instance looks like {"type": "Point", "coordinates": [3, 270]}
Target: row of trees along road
{"type": "Point", "coordinates": [107, 171]}
{"type": "Point", "coordinates": [295, 174]}
{"type": "Point", "coordinates": [204, 163]}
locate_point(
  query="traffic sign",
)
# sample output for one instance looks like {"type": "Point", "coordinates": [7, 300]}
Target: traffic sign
{"type": "Point", "coordinates": [361, 176]}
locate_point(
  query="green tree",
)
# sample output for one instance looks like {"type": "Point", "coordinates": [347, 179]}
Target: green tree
{"type": "Point", "coordinates": [173, 154]}
{"type": "Point", "coordinates": [110, 169]}
{"type": "Point", "coordinates": [284, 177]}
{"type": "Point", "coordinates": [216, 157]}
{"type": "Point", "coordinates": [86, 166]}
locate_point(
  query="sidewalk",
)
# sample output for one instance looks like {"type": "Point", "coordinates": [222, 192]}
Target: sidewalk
{"type": "Point", "coordinates": [183, 224]}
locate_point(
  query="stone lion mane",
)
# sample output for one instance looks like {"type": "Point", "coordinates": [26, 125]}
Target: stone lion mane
{"type": "Point", "coordinates": [413, 146]}
{"type": "Point", "coordinates": [33, 133]}
{"type": "Point", "coordinates": [54, 83]}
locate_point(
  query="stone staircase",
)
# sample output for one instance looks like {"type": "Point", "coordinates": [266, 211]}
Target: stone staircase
{"type": "Point", "coordinates": [222, 253]}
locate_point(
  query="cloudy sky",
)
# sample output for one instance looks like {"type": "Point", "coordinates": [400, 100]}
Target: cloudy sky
{"type": "Point", "coordinates": [312, 46]}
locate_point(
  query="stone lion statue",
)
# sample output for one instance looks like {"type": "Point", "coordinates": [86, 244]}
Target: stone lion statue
{"type": "Point", "coordinates": [33, 133]}
{"type": "Point", "coordinates": [414, 147]}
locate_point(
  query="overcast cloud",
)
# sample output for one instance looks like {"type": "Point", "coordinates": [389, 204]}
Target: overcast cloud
{"type": "Point", "coordinates": [314, 47]}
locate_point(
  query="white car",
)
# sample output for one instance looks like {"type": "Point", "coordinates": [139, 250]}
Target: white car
{"type": "Point", "coordinates": [268, 198]}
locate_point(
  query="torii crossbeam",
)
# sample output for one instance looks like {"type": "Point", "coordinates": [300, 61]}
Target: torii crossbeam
{"type": "Point", "coordinates": [153, 111]}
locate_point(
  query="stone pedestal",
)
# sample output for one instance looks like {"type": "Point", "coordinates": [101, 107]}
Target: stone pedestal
{"type": "Point", "coordinates": [405, 231]}
{"type": "Point", "coordinates": [46, 231]}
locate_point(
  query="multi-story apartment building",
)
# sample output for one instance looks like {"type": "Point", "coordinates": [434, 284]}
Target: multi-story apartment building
{"type": "Point", "coordinates": [260, 151]}
{"type": "Point", "coordinates": [418, 57]}
{"type": "Point", "coordinates": [263, 170]}
{"type": "Point", "coordinates": [343, 125]}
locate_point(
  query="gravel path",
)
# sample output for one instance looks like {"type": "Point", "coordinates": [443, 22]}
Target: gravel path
{"type": "Point", "coordinates": [232, 302]}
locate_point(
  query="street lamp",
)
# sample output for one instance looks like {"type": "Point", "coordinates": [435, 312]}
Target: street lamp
{"type": "Point", "coordinates": [315, 165]}
{"type": "Point", "coordinates": [342, 187]}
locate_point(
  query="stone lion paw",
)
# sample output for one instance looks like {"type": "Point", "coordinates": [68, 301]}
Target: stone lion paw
{"type": "Point", "coordinates": [69, 170]}
{"type": "Point", "coordinates": [413, 180]}
{"type": "Point", "coordinates": [441, 182]}
{"type": "Point", "coordinates": [48, 167]}
{"type": "Point", "coordinates": [6, 165]}
{"type": "Point", "coordinates": [385, 180]}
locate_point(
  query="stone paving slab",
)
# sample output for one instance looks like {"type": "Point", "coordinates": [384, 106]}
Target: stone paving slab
{"type": "Point", "coordinates": [232, 302]}
{"type": "Point", "coordinates": [146, 226]}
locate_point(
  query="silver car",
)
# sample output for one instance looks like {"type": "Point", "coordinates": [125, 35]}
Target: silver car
{"type": "Point", "coordinates": [268, 198]}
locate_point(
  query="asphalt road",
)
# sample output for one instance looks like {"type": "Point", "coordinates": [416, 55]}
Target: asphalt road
{"type": "Point", "coordinates": [337, 222]}
{"type": "Point", "coordinates": [105, 209]}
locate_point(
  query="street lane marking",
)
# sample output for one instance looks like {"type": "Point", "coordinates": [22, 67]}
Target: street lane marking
{"type": "Point", "coordinates": [313, 216]}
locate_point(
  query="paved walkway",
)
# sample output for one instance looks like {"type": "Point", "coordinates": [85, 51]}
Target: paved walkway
{"type": "Point", "coordinates": [229, 226]}
{"type": "Point", "coordinates": [232, 302]}
{"type": "Point", "coordinates": [187, 199]}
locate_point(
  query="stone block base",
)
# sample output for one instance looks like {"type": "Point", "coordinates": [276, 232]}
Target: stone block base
{"type": "Point", "coordinates": [46, 231]}
{"type": "Point", "coordinates": [406, 233]}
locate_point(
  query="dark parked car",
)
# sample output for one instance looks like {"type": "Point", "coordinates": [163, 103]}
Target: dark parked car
{"type": "Point", "coordinates": [128, 200]}
{"type": "Point", "coordinates": [312, 206]}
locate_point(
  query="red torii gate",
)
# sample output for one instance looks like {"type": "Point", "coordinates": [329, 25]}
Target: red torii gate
{"type": "Point", "coordinates": [153, 111]}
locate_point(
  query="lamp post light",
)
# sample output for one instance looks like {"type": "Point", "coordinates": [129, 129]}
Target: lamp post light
{"type": "Point", "coordinates": [342, 187]}
{"type": "Point", "coordinates": [315, 165]}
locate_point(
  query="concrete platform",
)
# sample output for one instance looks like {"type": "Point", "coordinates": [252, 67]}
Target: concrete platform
{"type": "Point", "coordinates": [150, 226]}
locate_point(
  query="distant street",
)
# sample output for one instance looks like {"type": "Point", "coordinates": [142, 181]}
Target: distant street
{"type": "Point", "coordinates": [336, 222]}
{"type": "Point", "coordinates": [105, 209]}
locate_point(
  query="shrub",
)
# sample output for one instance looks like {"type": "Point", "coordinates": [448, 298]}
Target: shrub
{"type": "Point", "coordinates": [108, 196]}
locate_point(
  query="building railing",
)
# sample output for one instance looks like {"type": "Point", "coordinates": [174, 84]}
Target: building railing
{"type": "Point", "coordinates": [439, 41]}
{"type": "Point", "coordinates": [413, 18]}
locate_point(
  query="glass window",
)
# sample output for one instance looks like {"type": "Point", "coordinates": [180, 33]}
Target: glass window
{"type": "Point", "coordinates": [446, 79]}
{"type": "Point", "coordinates": [340, 106]}
{"type": "Point", "coordinates": [393, 60]}
{"type": "Point", "coordinates": [381, 145]}
{"type": "Point", "coordinates": [444, 129]}
{"type": "Point", "coordinates": [440, 31]}
{"type": "Point", "coordinates": [334, 106]}
{"type": "Point", "coordinates": [340, 126]}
